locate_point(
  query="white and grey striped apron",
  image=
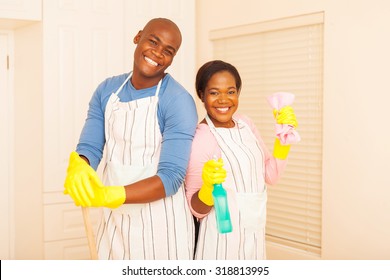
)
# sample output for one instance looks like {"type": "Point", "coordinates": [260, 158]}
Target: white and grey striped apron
{"type": "Point", "coordinates": [247, 197]}
{"type": "Point", "coordinates": [160, 230]}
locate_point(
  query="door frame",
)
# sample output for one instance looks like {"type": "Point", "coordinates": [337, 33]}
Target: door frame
{"type": "Point", "coordinates": [7, 105]}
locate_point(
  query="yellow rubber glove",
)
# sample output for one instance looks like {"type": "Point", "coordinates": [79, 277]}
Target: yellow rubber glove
{"type": "Point", "coordinates": [86, 189]}
{"type": "Point", "coordinates": [212, 173]}
{"type": "Point", "coordinates": [285, 115]}
{"type": "Point", "coordinates": [78, 171]}
{"type": "Point", "coordinates": [281, 151]}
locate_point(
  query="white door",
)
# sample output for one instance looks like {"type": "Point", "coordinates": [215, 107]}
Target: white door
{"type": "Point", "coordinates": [83, 44]}
{"type": "Point", "coordinates": [5, 147]}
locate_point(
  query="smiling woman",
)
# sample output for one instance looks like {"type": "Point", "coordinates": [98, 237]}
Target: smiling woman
{"type": "Point", "coordinates": [220, 98]}
{"type": "Point", "coordinates": [244, 161]}
{"type": "Point", "coordinates": [218, 85]}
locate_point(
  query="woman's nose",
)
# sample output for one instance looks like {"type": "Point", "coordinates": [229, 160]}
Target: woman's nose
{"type": "Point", "coordinates": [222, 98]}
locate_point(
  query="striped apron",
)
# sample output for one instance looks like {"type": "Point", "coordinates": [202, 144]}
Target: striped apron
{"type": "Point", "coordinates": [247, 197]}
{"type": "Point", "coordinates": [160, 230]}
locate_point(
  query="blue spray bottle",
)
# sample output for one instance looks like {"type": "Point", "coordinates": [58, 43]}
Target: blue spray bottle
{"type": "Point", "coordinates": [221, 207]}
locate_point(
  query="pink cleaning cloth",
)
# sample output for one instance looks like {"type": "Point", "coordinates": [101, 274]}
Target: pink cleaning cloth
{"type": "Point", "coordinates": [285, 132]}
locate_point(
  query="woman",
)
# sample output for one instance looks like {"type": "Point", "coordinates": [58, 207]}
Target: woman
{"type": "Point", "coordinates": [245, 166]}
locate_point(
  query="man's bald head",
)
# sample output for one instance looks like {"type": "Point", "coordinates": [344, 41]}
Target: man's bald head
{"type": "Point", "coordinates": [163, 22]}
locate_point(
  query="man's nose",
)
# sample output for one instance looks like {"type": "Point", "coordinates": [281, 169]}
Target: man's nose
{"type": "Point", "coordinates": [157, 51]}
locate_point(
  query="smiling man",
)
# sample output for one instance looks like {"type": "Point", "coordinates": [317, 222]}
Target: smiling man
{"type": "Point", "coordinates": [145, 122]}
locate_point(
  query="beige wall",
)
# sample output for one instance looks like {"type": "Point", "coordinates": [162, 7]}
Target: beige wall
{"type": "Point", "coordinates": [356, 181]}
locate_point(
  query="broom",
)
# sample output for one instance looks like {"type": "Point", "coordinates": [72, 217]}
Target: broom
{"type": "Point", "coordinates": [90, 234]}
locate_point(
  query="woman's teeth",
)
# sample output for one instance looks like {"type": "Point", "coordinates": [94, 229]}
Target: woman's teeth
{"type": "Point", "coordinates": [222, 109]}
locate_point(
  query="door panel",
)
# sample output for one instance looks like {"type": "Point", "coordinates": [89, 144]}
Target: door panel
{"type": "Point", "coordinates": [83, 44]}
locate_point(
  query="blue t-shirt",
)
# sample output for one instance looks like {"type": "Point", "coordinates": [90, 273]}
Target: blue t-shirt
{"type": "Point", "coordinates": [177, 118]}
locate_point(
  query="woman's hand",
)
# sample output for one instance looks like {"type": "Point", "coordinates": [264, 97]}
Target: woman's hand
{"type": "Point", "coordinates": [212, 173]}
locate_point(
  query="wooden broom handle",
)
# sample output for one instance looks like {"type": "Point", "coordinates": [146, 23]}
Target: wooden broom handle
{"type": "Point", "coordinates": [90, 234]}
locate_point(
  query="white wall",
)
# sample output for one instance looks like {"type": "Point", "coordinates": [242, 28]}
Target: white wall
{"type": "Point", "coordinates": [356, 184]}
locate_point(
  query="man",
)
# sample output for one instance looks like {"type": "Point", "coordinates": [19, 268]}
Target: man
{"type": "Point", "coordinates": [145, 122]}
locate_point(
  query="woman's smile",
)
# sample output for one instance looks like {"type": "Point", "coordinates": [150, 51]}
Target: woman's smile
{"type": "Point", "coordinates": [221, 99]}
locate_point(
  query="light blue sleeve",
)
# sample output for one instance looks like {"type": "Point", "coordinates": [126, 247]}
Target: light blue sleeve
{"type": "Point", "coordinates": [92, 137]}
{"type": "Point", "coordinates": [178, 117]}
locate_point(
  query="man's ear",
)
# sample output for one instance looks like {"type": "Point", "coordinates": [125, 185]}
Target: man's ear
{"type": "Point", "coordinates": [137, 37]}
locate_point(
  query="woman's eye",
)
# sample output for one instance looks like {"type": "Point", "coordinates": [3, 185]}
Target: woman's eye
{"type": "Point", "coordinates": [232, 92]}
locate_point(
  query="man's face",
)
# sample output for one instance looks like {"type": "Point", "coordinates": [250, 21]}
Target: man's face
{"type": "Point", "coordinates": [157, 45]}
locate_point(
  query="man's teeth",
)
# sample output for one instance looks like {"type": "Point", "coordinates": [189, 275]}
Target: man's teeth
{"type": "Point", "coordinates": [148, 60]}
{"type": "Point", "coordinates": [223, 109]}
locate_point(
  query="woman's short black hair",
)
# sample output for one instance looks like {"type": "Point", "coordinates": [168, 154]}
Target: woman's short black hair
{"type": "Point", "coordinates": [207, 70]}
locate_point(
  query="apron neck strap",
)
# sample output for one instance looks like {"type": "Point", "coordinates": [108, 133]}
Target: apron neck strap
{"type": "Point", "coordinates": [123, 84]}
{"type": "Point", "coordinates": [128, 78]}
{"type": "Point", "coordinates": [210, 122]}
{"type": "Point", "coordinates": [158, 88]}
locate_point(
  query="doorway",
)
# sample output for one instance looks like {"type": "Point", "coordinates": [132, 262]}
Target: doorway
{"type": "Point", "coordinates": [6, 147]}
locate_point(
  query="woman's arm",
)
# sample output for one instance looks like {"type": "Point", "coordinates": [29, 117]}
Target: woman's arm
{"type": "Point", "coordinates": [274, 167]}
{"type": "Point", "coordinates": [204, 147]}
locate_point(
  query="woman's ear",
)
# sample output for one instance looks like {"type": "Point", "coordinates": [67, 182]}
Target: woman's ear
{"type": "Point", "coordinates": [201, 94]}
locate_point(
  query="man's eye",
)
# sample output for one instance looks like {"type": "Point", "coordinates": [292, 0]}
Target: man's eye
{"type": "Point", "coordinates": [168, 52]}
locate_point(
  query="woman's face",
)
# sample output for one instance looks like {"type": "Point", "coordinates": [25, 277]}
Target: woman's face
{"type": "Point", "coordinates": [220, 99]}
